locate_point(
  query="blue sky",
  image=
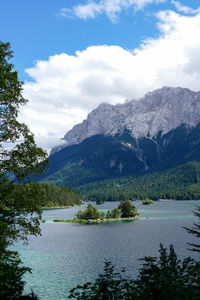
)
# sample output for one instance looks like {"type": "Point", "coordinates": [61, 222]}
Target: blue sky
{"type": "Point", "coordinates": [36, 29]}
{"type": "Point", "coordinates": [74, 55]}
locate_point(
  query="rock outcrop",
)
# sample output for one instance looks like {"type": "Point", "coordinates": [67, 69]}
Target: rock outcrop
{"type": "Point", "coordinates": [162, 110]}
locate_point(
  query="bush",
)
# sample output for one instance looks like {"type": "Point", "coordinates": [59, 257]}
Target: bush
{"type": "Point", "coordinates": [147, 202]}
{"type": "Point", "coordinates": [162, 278]}
{"type": "Point", "coordinates": [90, 213]}
{"type": "Point", "coordinates": [127, 209]}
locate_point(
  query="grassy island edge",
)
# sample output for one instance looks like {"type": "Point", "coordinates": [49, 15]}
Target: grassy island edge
{"type": "Point", "coordinates": [97, 221]}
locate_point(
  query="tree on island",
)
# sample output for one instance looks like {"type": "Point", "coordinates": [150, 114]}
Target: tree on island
{"type": "Point", "coordinates": [20, 159]}
{"type": "Point", "coordinates": [147, 202]}
{"type": "Point", "coordinates": [160, 278]}
{"type": "Point", "coordinates": [127, 209]}
{"type": "Point", "coordinates": [90, 213]}
{"type": "Point", "coordinates": [124, 210]}
{"type": "Point", "coordinates": [113, 214]}
{"type": "Point", "coordinates": [99, 201]}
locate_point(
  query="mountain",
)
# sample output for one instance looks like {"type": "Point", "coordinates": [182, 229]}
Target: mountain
{"type": "Point", "coordinates": [159, 111]}
{"type": "Point", "coordinates": [157, 132]}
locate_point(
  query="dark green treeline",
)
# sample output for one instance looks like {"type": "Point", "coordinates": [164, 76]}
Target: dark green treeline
{"type": "Point", "coordinates": [42, 194]}
{"type": "Point", "coordinates": [182, 182]}
{"type": "Point", "coordinates": [58, 196]}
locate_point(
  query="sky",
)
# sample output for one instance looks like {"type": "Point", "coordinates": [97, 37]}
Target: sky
{"type": "Point", "coordinates": [74, 55]}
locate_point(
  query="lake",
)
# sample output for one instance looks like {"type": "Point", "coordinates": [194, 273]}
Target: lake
{"type": "Point", "coordinates": [67, 254]}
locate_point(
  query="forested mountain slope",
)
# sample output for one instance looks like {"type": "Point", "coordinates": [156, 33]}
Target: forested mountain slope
{"type": "Point", "coordinates": [182, 182]}
{"type": "Point", "coordinates": [155, 133]}
{"type": "Point", "coordinates": [101, 157]}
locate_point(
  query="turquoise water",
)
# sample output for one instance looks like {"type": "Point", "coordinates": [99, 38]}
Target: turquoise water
{"type": "Point", "coordinates": [67, 254]}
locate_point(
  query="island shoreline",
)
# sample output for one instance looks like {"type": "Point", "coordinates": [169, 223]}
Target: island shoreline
{"type": "Point", "coordinates": [97, 221]}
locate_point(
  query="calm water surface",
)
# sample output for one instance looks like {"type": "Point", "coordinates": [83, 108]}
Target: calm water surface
{"type": "Point", "coordinates": [67, 254]}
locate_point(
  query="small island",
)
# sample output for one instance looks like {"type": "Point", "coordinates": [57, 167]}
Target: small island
{"type": "Point", "coordinates": [91, 215]}
{"type": "Point", "coordinates": [147, 202]}
{"type": "Point", "coordinates": [99, 201]}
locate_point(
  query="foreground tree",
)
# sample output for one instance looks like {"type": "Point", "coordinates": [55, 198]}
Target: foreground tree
{"type": "Point", "coordinates": [110, 285]}
{"type": "Point", "coordinates": [11, 275]}
{"type": "Point", "coordinates": [20, 159]}
{"type": "Point", "coordinates": [195, 230]}
{"type": "Point", "coordinates": [160, 278]}
{"type": "Point", "coordinates": [167, 277]}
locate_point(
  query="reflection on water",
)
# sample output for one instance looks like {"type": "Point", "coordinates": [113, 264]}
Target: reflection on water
{"type": "Point", "coordinates": [67, 254]}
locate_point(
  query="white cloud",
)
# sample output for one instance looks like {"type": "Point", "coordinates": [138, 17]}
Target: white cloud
{"type": "Point", "coordinates": [90, 10]}
{"type": "Point", "coordinates": [112, 8]}
{"type": "Point", "coordinates": [67, 87]}
{"type": "Point", "coordinates": [185, 9]}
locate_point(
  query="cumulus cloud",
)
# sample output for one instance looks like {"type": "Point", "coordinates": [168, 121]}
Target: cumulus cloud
{"type": "Point", "coordinates": [112, 8]}
{"type": "Point", "coordinates": [65, 88]}
{"type": "Point", "coordinates": [185, 9]}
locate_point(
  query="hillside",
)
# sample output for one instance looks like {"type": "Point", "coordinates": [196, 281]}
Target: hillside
{"type": "Point", "coordinates": [182, 182]}
{"type": "Point", "coordinates": [156, 133]}
{"type": "Point", "coordinates": [101, 157]}
{"type": "Point", "coordinates": [49, 195]}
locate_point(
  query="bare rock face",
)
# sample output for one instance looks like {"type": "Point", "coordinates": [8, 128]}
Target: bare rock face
{"type": "Point", "coordinates": [159, 111]}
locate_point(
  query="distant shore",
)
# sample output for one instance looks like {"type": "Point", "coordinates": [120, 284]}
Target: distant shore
{"type": "Point", "coordinates": [59, 207]}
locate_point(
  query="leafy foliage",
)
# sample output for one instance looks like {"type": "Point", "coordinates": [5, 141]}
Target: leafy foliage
{"type": "Point", "coordinates": [20, 160]}
{"type": "Point", "coordinates": [11, 275]}
{"type": "Point", "coordinates": [53, 195]}
{"type": "Point", "coordinates": [182, 182]}
{"type": "Point", "coordinates": [127, 209]}
{"type": "Point", "coordinates": [167, 277]}
{"type": "Point", "coordinates": [99, 202]}
{"type": "Point", "coordinates": [124, 210]}
{"type": "Point", "coordinates": [162, 278]}
{"type": "Point", "coordinates": [114, 213]}
{"type": "Point", "coordinates": [24, 158]}
{"type": "Point", "coordinates": [90, 212]}
{"type": "Point", "coordinates": [28, 297]}
{"type": "Point", "coordinates": [147, 202]}
{"type": "Point", "coordinates": [195, 230]}
{"type": "Point", "coordinates": [107, 286]}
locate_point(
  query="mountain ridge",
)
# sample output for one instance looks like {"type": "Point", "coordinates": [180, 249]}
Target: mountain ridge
{"type": "Point", "coordinates": [161, 110]}
{"type": "Point", "coordinates": [158, 132]}
{"type": "Point", "coordinates": [104, 156]}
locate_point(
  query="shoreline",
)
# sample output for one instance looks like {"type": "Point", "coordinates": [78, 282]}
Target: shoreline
{"type": "Point", "coordinates": [97, 221]}
{"type": "Point", "coordinates": [59, 207]}
{"type": "Point", "coordinates": [137, 201]}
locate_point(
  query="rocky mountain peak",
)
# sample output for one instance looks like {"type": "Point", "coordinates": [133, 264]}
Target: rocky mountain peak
{"type": "Point", "coordinates": [158, 111]}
